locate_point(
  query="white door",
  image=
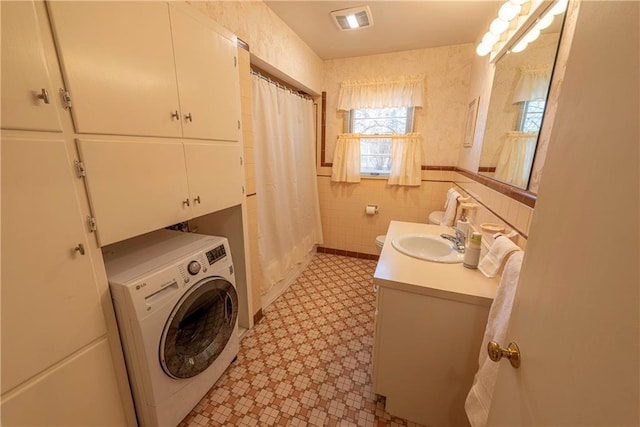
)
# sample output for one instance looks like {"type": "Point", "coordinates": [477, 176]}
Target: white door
{"type": "Point", "coordinates": [576, 312]}
{"type": "Point", "coordinates": [134, 186]}
{"type": "Point", "coordinates": [29, 101]}
{"type": "Point", "coordinates": [215, 176]}
{"type": "Point", "coordinates": [206, 67]}
{"type": "Point", "coordinates": [117, 62]}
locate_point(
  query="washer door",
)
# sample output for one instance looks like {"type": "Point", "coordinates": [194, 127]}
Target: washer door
{"type": "Point", "coordinates": [199, 328]}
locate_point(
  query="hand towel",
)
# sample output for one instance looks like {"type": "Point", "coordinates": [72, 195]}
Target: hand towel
{"type": "Point", "coordinates": [498, 252]}
{"type": "Point", "coordinates": [449, 191]}
{"type": "Point", "coordinates": [451, 207]}
{"type": "Point", "coordinates": [479, 397]}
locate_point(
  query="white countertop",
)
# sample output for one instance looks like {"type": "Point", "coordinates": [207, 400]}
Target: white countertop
{"type": "Point", "coordinates": [451, 281]}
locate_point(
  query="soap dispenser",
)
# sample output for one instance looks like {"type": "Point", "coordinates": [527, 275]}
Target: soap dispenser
{"type": "Point", "coordinates": [463, 224]}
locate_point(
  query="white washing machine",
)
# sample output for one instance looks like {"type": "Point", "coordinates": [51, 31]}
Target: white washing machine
{"type": "Point", "coordinates": [176, 306]}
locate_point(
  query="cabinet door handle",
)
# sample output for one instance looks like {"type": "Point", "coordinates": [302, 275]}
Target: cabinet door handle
{"type": "Point", "coordinates": [79, 248]}
{"type": "Point", "coordinates": [44, 95]}
{"type": "Point", "coordinates": [375, 288]}
{"type": "Point", "coordinates": [175, 115]}
{"type": "Point", "coordinates": [196, 200]}
{"type": "Point", "coordinates": [186, 202]}
{"type": "Point", "coordinates": [188, 117]}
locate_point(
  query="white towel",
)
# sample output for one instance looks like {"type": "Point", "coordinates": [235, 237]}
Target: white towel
{"type": "Point", "coordinates": [481, 393]}
{"type": "Point", "coordinates": [498, 252]}
{"type": "Point", "coordinates": [451, 206]}
{"type": "Point", "coordinates": [449, 191]}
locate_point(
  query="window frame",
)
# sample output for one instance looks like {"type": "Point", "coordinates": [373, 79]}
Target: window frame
{"type": "Point", "coordinates": [524, 113]}
{"type": "Point", "coordinates": [349, 126]}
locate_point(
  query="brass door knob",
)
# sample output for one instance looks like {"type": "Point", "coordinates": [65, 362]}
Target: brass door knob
{"type": "Point", "coordinates": [512, 352]}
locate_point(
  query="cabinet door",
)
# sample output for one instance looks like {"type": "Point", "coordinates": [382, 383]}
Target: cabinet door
{"type": "Point", "coordinates": [50, 300]}
{"type": "Point", "coordinates": [25, 75]}
{"type": "Point", "coordinates": [81, 391]}
{"type": "Point", "coordinates": [206, 67]}
{"type": "Point", "coordinates": [117, 62]}
{"type": "Point", "coordinates": [215, 176]}
{"type": "Point", "coordinates": [134, 186]}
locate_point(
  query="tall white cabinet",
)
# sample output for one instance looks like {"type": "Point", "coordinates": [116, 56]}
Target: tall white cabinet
{"type": "Point", "coordinates": [59, 366]}
{"type": "Point", "coordinates": [118, 118]}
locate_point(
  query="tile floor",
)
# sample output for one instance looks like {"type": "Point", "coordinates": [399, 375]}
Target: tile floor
{"type": "Point", "coordinates": [308, 361]}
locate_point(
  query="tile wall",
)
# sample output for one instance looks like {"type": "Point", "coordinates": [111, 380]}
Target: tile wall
{"type": "Point", "coordinates": [347, 228]}
{"type": "Point", "coordinates": [496, 208]}
{"type": "Point", "coordinates": [345, 225]}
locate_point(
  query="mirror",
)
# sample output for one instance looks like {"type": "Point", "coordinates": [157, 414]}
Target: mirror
{"type": "Point", "coordinates": [516, 108]}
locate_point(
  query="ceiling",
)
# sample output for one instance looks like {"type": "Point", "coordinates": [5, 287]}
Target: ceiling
{"type": "Point", "coordinates": [398, 25]}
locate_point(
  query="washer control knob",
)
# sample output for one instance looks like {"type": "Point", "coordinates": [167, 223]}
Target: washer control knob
{"type": "Point", "coordinates": [194, 268]}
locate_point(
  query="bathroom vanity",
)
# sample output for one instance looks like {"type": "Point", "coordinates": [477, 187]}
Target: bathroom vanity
{"type": "Point", "coordinates": [429, 324]}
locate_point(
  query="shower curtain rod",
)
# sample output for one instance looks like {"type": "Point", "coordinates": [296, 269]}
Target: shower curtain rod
{"type": "Point", "coordinates": [280, 85]}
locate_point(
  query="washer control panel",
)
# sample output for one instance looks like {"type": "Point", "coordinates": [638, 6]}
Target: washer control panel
{"type": "Point", "coordinates": [215, 254]}
{"type": "Point", "coordinates": [194, 268]}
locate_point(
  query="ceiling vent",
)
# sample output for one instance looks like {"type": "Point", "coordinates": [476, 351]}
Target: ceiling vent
{"type": "Point", "coordinates": [353, 18]}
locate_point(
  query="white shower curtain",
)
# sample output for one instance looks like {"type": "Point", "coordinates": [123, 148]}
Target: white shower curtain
{"type": "Point", "coordinates": [287, 194]}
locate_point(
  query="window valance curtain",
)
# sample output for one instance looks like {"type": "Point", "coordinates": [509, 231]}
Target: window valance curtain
{"type": "Point", "coordinates": [382, 93]}
{"type": "Point", "coordinates": [516, 158]}
{"type": "Point", "coordinates": [533, 83]}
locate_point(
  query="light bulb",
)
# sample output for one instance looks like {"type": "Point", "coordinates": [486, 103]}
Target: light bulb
{"type": "Point", "coordinates": [508, 11]}
{"type": "Point", "coordinates": [498, 26]}
{"type": "Point", "coordinates": [483, 49]}
{"type": "Point", "coordinates": [490, 39]}
{"type": "Point", "coordinates": [520, 46]}
{"type": "Point", "coordinates": [533, 34]}
{"type": "Point", "coordinates": [545, 22]}
{"type": "Point", "coordinates": [353, 21]}
{"type": "Point", "coordinates": [559, 7]}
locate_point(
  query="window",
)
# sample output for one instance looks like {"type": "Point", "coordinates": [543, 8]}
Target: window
{"type": "Point", "coordinates": [375, 153]}
{"type": "Point", "coordinates": [531, 116]}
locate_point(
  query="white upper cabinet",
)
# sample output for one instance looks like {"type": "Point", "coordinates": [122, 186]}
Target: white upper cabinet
{"type": "Point", "coordinates": [147, 69]}
{"type": "Point", "coordinates": [134, 187]}
{"type": "Point", "coordinates": [206, 68]}
{"type": "Point", "coordinates": [117, 61]}
{"type": "Point", "coordinates": [215, 176]}
{"type": "Point", "coordinates": [29, 101]}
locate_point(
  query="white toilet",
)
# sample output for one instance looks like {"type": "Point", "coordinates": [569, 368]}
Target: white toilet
{"type": "Point", "coordinates": [434, 218]}
{"type": "Point", "coordinates": [380, 242]}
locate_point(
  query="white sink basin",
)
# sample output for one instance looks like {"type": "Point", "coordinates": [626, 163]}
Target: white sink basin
{"type": "Point", "coordinates": [428, 247]}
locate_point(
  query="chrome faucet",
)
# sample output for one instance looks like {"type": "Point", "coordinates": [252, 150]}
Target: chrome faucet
{"type": "Point", "coordinates": [458, 240]}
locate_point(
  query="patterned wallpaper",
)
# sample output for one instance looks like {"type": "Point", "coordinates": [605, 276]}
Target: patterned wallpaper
{"type": "Point", "coordinates": [441, 121]}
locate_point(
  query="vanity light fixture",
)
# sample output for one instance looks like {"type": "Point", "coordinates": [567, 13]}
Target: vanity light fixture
{"type": "Point", "coordinates": [511, 11]}
{"type": "Point", "coordinates": [543, 22]}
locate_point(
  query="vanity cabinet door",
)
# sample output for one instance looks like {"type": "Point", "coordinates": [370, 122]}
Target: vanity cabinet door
{"type": "Point", "coordinates": [134, 186]}
{"type": "Point", "coordinates": [207, 73]}
{"type": "Point", "coordinates": [29, 101]}
{"type": "Point", "coordinates": [215, 176]}
{"type": "Point", "coordinates": [51, 305]}
{"type": "Point", "coordinates": [117, 62]}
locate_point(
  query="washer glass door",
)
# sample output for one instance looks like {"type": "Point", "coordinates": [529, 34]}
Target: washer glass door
{"type": "Point", "coordinates": [199, 328]}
